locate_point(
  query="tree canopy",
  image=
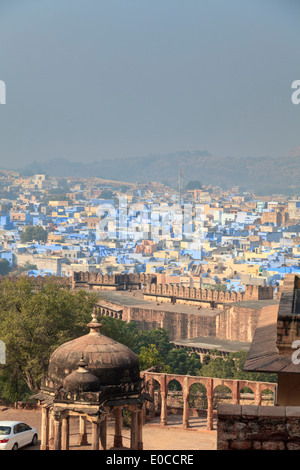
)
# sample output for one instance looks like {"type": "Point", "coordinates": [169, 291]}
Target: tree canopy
{"type": "Point", "coordinates": [4, 267]}
{"type": "Point", "coordinates": [34, 232]}
{"type": "Point", "coordinates": [195, 184]}
{"type": "Point", "coordinates": [231, 367]}
{"type": "Point", "coordinates": [34, 321]}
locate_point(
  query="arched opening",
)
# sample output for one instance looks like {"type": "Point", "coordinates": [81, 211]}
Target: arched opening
{"type": "Point", "coordinates": [222, 394]}
{"type": "Point", "coordinates": [152, 387]}
{"type": "Point", "coordinates": [267, 397]}
{"type": "Point", "coordinates": [247, 396]}
{"type": "Point", "coordinates": [197, 406]}
{"type": "Point", "coordinates": [198, 397]}
{"type": "Point", "coordinates": [175, 401]}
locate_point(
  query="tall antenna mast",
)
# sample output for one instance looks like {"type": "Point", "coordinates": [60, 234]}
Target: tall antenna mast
{"type": "Point", "coordinates": [180, 184]}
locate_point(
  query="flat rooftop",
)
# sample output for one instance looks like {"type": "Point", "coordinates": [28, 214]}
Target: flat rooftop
{"type": "Point", "coordinates": [135, 299]}
{"type": "Point", "coordinates": [256, 304]}
{"type": "Point", "coordinates": [211, 342]}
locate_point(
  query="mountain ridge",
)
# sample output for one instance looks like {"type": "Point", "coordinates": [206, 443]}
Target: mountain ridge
{"type": "Point", "coordinates": [258, 174]}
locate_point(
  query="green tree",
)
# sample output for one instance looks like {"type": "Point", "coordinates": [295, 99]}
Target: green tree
{"type": "Point", "coordinates": [36, 318]}
{"type": "Point", "coordinates": [195, 184]}
{"type": "Point", "coordinates": [232, 367]}
{"type": "Point", "coordinates": [120, 331]}
{"type": "Point", "coordinates": [4, 267]}
{"type": "Point", "coordinates": [149, 357]}
{"type": "Point", "coordinates": [183, 363]}
{"type": "Point", "coordinates": [159, 338]}
{"type": "Point", "coordinates": [218, 367]}
{"type": "Point", "coordinates": [34, 232]}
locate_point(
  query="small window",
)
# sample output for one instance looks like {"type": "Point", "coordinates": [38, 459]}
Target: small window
{"type": "Point", "coordinates": [24, 427]}
{"type": "Point", "coordinates": [17, 429]}
{"type": "Point", "coordinates": [5, 430]}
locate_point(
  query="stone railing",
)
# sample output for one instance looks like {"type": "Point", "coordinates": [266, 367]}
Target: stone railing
{"type": "Point", "coordinates": [158, 381]}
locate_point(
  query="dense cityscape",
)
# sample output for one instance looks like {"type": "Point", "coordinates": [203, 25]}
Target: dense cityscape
{"type": "Point", "coordinates": [200, 237]}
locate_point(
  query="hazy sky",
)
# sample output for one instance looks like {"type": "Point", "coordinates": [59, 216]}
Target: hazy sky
{"type": "Point", "coordinates": [94, 79]}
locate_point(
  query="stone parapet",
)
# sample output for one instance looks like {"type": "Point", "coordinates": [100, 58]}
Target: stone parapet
{"type": "Point", "coordinates": [251, 427]}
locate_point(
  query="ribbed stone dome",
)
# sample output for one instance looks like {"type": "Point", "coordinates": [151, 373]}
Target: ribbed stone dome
{"type": "Point", "coordinates": [111, 362]}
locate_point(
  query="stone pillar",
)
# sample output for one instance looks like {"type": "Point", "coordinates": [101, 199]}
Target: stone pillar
{"type": "Point", "coordinates": [65, 444]}
{"type": "Point", "coordinates": [118, 427]}
{"type": "Point", "coordinates": [152, 395]}
{"type": "Point", "coordinates": [144, 413]}
{"type": "Point", "coordinates": [235, 393]}
{"type": "Point", "coordinates": [186, 407]}
{"type": "Point", "coordinates": [210, 398]}
{"type": "Point", "coordinates": [140, 422]}
{"type": "Point", "coordinates": [82, 439]}
{"type": "Point", "coordinates": [103, 434]}
{"type": "Point", "coordinates": [163, 413]}
{"type": "Point", "coordinates": [45, 429]}
{"type": "Point", "coordinates": [186, 411]}
{"type": "Point", "coordinates": [134, 430]}
{"type": "Point", "coordinates": [275, 391]}
{"type": "Point", "coordinates": [159, 399]}
{"type": "Point", "coordinates": [57, 430]}
{"type": "Point", "coordinates": [95, 435]}
{"type": "Point", "coordinates": [51, 430]}
{"type": "Point", "coordinates": [257, 395]}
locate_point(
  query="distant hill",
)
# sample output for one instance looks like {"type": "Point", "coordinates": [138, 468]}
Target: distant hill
{"type": "Point", "coordinates": [262, 175]}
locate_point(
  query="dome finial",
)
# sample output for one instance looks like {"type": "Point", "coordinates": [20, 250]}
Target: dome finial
{"type": "Point", "coordinates": [94, 325]}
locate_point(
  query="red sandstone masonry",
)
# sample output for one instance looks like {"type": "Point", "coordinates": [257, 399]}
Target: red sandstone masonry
{"type": "Point", "coordinates": [207, 295]}
{"type": "Point", "coordinates": [253, 427]}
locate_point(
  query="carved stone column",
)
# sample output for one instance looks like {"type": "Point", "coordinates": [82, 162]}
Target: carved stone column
{"type": "Point", "coordinates": [210, 398]}
{"type": "Point", "coordinates": [65, 439]}
{"type": "Point", "coordinates": [257, 395]}
{"type": "Point", "coordinates": [186, 411]}
{"type": "Point", "coordinates": [140, 423]}
{"type": "Point", "coordinates": [51, 430]}
{"type": "Point", "coordinates": [152, 394]}
{"type": "Point", "coordinates": [82, 439]}
{"type": "Point", "coordinates": [236, 393]}
{"type": "Point", "coordinates": [118, 442]}
{"type": "Point", "coordinates": [103, 434]}
{"type": "Point", "coordinates": [95, 435]}
{"type": "Point", "coordinates": [57, 430]}
{"type": "Point", "coordinates": [134, 430]}
{"type": "Point", "coordinates": [163, 394]}
{"type": "Point", "coordinates": [45, 429]}
{"type": "Point", "coordinates": [186, 407]}
{"type": "Point", "coordinates": [144, 413]}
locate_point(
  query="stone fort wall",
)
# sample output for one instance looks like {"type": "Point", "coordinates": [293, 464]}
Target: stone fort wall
{"type": "Point", "coordinates": [180, 325]}
{"type": "Point", "coordinates": [120, 281]}
{"type": "Point", "coordinates": [233, 322]}
{"type": "Point", "coordinates": [170, 292]}
{"type": "Point", "coordinates": [174, 293]}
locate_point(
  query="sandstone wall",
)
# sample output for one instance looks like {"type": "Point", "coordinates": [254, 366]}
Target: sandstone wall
{"type": "Point", "coordinates": [237, 323]}
{"type": "Point", "coordinates": [179, 325]}
{"type": "Point", "coordinates": [175, 292]}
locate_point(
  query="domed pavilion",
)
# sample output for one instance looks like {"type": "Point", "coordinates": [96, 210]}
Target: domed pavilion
{"type": "Point", "coordinates": [91, 377]}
